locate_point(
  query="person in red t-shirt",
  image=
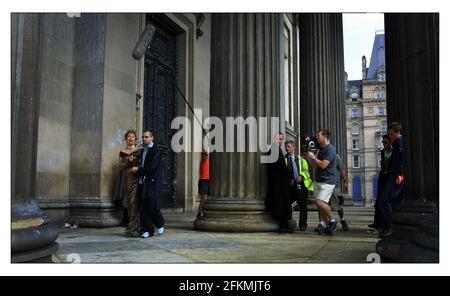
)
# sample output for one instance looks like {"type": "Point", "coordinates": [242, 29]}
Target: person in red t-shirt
{"type": "Point", "coordinates": [203, 182]}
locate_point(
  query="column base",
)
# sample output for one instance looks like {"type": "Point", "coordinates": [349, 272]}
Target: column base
{"type": "Point", "coordinates": [33, 243]}
{"type": "Point", "coordinates": [415, 237]}
{"type": "Point", "coordinates": [236, 215]}
{"type": "Point", "coordinates": [95, 213]}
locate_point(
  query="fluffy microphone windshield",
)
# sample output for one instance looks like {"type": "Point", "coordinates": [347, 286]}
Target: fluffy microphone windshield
{"type": "Point", "coordinates": [143, 42]}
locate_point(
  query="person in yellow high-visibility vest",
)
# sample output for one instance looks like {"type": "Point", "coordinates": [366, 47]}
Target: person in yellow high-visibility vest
{"type": "Point", "coordinates": [300, 182]}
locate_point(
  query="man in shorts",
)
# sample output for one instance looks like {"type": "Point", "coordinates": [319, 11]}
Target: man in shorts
{"type": "Point", "coordinates": [325, 164]}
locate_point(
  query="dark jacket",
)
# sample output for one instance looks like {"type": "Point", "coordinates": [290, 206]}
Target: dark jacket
{"type": "Point", "coordinates": [278, 198]}
{"type": "Point", "coordinates": [151, 171]}
{"type": "Point", "coordinates": [395, 167]}
{"type": "Point", "coordinates": [382, 176]}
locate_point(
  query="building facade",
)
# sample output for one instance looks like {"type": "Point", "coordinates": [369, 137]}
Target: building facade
{"type": "Point", "coordinates": [366, 124]}
{"type": "Point", "coordinates": [76, 89]}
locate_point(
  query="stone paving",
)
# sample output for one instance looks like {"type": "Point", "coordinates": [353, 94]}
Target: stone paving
{"type": "Point", "coordinates": [182, 244]}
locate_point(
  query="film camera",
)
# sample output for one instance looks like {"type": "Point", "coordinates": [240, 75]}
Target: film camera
{"type": "Point", "coordinates": [309, 143]}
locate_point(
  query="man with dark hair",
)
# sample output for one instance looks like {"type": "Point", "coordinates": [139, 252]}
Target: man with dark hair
{"type": "Point", "coordinates": [394, 183]}
{"type": "Point", "coordinates": [300, 183]}
{"type": "Point", "coordinates": [149, 188]}
{"type": "Point", "coordinates": [325, 162]}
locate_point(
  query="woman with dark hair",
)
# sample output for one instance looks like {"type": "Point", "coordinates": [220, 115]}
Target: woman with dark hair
{"type": "Point", "coordinates": [127, 191]}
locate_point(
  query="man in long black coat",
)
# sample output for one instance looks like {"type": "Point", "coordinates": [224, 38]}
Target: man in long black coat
{"type": "Point", "coordinates": [149, 188]}
{"type": "Point", "coordinates": [278, 200]}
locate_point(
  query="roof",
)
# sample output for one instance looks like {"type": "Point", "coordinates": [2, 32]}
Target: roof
{"type": "Point", "coordinates": [377, 58]}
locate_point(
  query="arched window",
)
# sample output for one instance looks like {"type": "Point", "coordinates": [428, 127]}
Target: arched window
{"type": "Point", "coordinates": [357, 188]}
{"type": "Point", "coordinates": [355, 129]}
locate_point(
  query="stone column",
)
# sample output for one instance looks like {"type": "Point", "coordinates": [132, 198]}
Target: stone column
{"type": "Point", "coordinates": [322, 81]}
{"type": "Point", "coordinates": [245, 81]}
{"type": "Point", "coordinates": [103, 109]}
{"type": "Point", "coordinates": [412, 65]}
{"type": "Point", "coordinates": [31, 235]}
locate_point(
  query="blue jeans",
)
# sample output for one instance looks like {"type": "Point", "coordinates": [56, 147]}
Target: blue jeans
{"type": "Point", "coordinates": [390, 194]}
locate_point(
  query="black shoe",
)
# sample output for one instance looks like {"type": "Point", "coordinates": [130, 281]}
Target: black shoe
{"type": "Point", "coordinates": [199, 215]}
{"type": "Point", "coordinates": [332, 228]}
{"type": "Point", "coordinates": [322, 230]}
{"type": "Point", "coordinates": [385, 233]}
{"type": "Point", "coordinates": [373, 226]}
{"type": "Point", "coordinates": [303, 228]}
{"type": "Point", "coordinates": [344, 225]}
{"type": "Point", "coordinates": [319, 228]}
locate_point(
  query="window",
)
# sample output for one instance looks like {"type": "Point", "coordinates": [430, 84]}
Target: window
{"type": "Point", "coordinates": [383, 127]}
{"type": "Point", "coordinates": [383, 93]}
{"type": "Point", "coordinates": [376, 93]}
{"type": "Point", "coordinates": [382, 111]}
{"type": "Point", "coordinates": [355, 129]}
{"type": "Point", "coordinates": [355, 144]}
{"type": "Point", "coordinates": [381, 77]}
{"type": "Point", "coordinates": [356, 164]}
{"type": "Point", "coordinates": [354, 95]}
{"type": "Point", "coordinates": [355, 113]}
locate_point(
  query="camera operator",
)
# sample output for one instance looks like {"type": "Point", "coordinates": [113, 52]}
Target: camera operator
{"type": "Point", "coordinates": [300, 183]}
{"type": "Point", "coordinates": [325, 162]}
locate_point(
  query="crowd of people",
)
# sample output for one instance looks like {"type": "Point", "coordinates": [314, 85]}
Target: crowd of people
{"type": "Point", "coordinates": [289, 182]}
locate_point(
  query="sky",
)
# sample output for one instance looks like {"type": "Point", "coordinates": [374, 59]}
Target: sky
{"type": "Point", "coordinates": [359, 34]}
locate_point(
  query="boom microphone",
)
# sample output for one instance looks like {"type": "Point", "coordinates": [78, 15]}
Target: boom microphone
{"type": "Point", "coordinates": [143, 42]}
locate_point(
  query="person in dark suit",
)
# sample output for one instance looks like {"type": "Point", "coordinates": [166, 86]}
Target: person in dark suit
{"type": "Point", "coordinates": [149, 188]}
{"type": "Point", "coordinates": [300, 183]}
{"type": "Point", "coordinates": [394, 181]}
{"type": "Point", "coordinates": [278, 202]}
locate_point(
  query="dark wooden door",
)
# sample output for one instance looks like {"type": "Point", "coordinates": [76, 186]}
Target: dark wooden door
{"type": "Point", "coordinates": [159, 103]}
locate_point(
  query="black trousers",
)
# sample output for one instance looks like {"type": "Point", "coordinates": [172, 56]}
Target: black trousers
{"type": "Point", "coordinates": [301, 196]}
{"type": "Point", "coordinates": [382, 180]}
{"type": "Point", "coordinates": [149, 212]}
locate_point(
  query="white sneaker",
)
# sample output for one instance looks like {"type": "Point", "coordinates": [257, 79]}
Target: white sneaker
{"type": "Point", "coordinates": [160, 230]}
{"type": "Point", "coordinates": [145, 235]}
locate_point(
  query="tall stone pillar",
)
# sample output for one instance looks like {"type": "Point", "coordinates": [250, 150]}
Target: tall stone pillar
{"type": "Point", "coordinates": [31, 235]}
{"type": "Point", "coordinates": [322, 77]}
{"type": "Point", "coordinates": [103, 109]}
{"type": "Point", "coordinates": [412, 72]}
{"type": "Point", "coordinates": [245, 81]}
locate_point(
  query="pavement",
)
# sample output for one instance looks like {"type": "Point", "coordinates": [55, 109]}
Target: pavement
{"type": "Point", "coordinates": [182, 244]}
